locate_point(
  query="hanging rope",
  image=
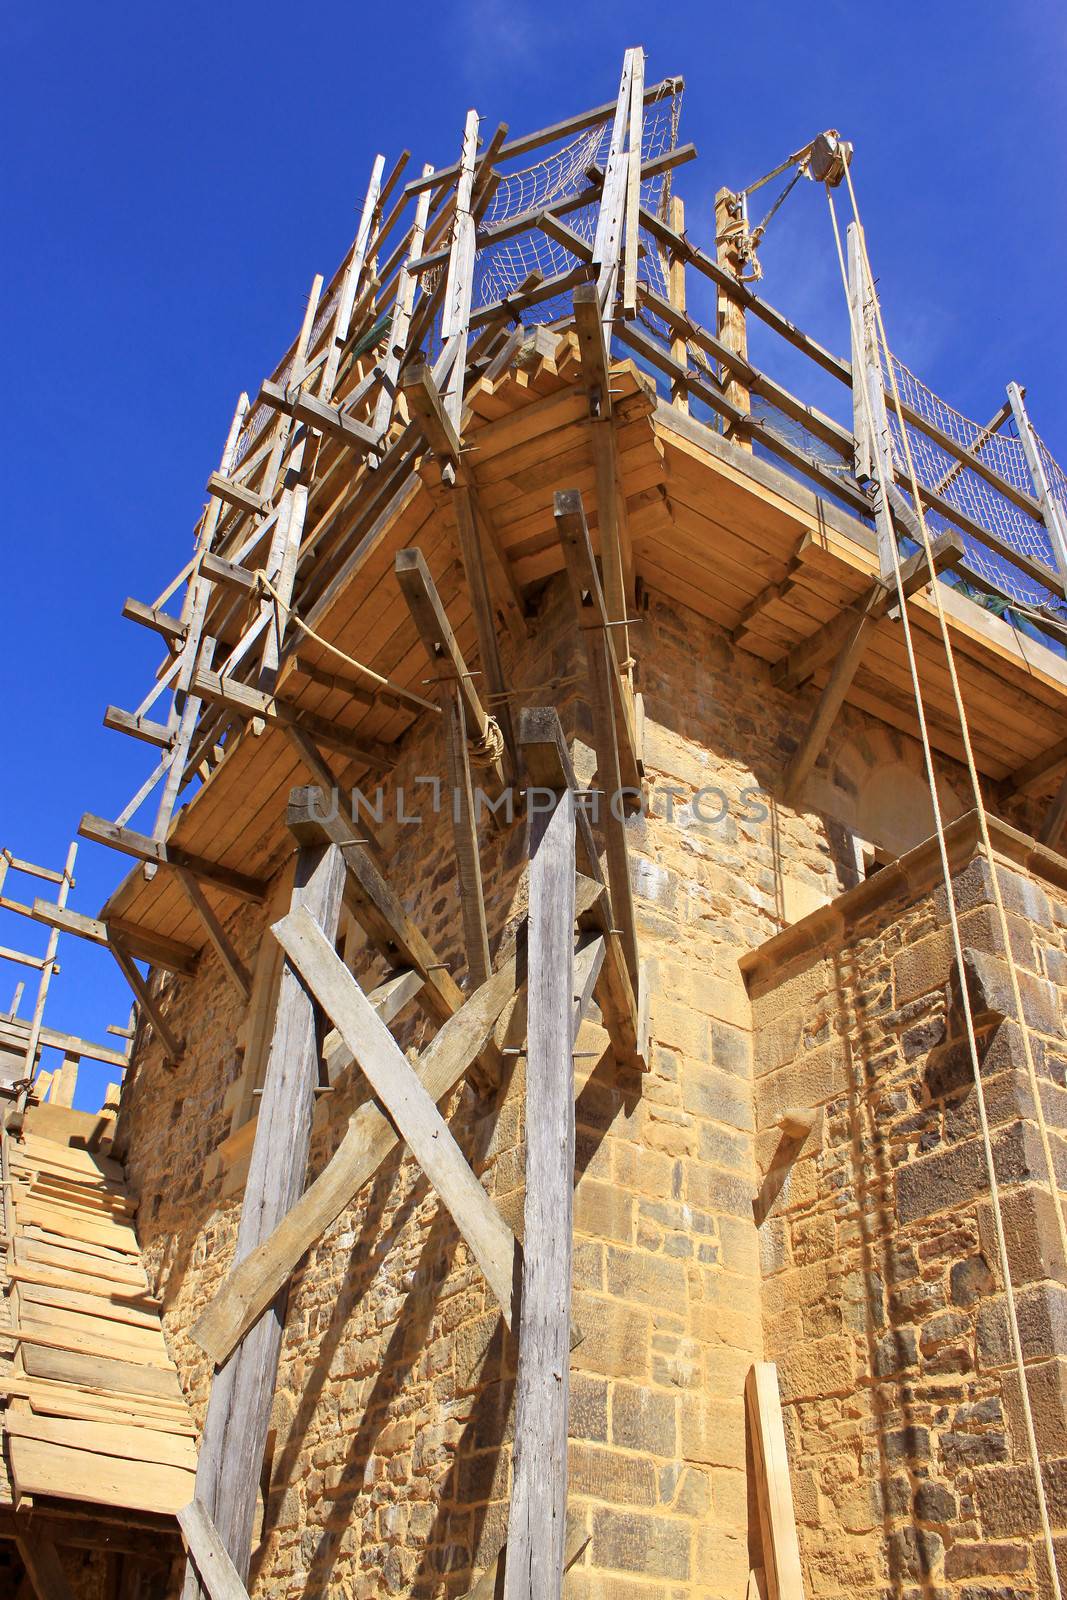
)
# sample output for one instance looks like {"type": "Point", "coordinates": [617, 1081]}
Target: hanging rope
{"type": "Point", "coordinates": [946, 871]}
{"type": "Point", "coordinates": [265, 586]}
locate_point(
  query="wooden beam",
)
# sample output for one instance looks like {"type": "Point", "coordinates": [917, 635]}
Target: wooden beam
{"type": "Point", "coordinates": [781, 1552]}
{"type": "Point", "coordinates": [405, 1099]}
{"type": "Point", "coordinates": [250, 702]}
{"type": "Point", "coordinates": [593, 619]}
{"type": "Point", "coordinates": [1055, 818]}
{"type": "Point", "coordinates": [604, 691]}
{"type": "Point", "coordinates": [232, 964]}
{"type": "Point", "coordinates": [146, 945]}
{"type": "Point", "coordinates": [166, 854]}
{"type": "Point", "coordinates": [634, 139]}
{"type": "Point", "coordinates": [548, 766]}
{"type": "Point", "coordinates": [372, 902]}
{"type": "Point", "coordinates": [472, 555]}
{"type": "Point", "coordinates": [465, 836]}
{"type": "Point", "coordinates": [217, 1573]}
{"type": "Point", "coordinates": [388, 999]}
{"type": "Point", "coordinates": [830, 702]}
{"type": "Point", "coordinates": [537, 1514]}
{"type": "Point", "coordinates": [52, 1039]}
{"type": "Point", "coordinates": [318, 415]}
{"type": "Point", "coordinates": [174, 1048]}
{"type": "Point", "coordinates": [235, 494]}
{"type": "Point", "coordinates": [171, 628]}
{"type": "Point", "coordinates": [1032, 775]}
{"type": "Point", "coordinates": [810, 654]}
{"type": "Point", "coordinates": [435, 631]}
{"type": "Point", "coordinates": [157, 733]}
{"type": "Point", "coordinates": [230, 573]}
{"type": "Point", "coordinates": [238, 1414]}
{"type": "Point", "coordinates": [253, 1282]}
{"type": "Point", "coordinates": [41, 1560]}
{"type": "Point", "coordinates": [427, 407]}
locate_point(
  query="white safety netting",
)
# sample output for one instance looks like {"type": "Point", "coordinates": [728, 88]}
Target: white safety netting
{"type": "Point", "coordinates": [566, 173]}
{"type": "Point", "coordinates": [971, 493]}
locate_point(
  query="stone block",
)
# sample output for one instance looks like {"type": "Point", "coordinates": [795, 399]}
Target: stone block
{"type": "Point", "coordinates": [615, 1337]}
{"type": "Point", "coordinates": [718, 1096]}
{"type": "Point", "coordinates": [989, 986]}
{"type": "Point", "coordinates": [608, 1475]}
{"type": "Point", "coordinates": [1042, 1314]}
{"type": "Point", "coordinates": [713, 1432]}
{"type": "Point", "coordinates": [648, 1280]}
{"type": "Point", "coordinates": [630, 1541]}
{"type": "Point", "coordinates": [818, 1368]}
{"type": "Point", "coordinates": [643, 1419]}
{"type": "Point", "coordinates": [588, 1408]}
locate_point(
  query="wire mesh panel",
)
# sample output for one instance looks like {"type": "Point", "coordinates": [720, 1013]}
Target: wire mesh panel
{"type": "Point", "coordinates": [565, 173]}
{"type": "Point", "coordinates": [971, 493]}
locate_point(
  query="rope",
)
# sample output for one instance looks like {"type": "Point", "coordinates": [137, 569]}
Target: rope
{"type": "Point", "coordinates": [485, 751]}
{"type": "Point", "coordinates": [489, 749]}
{"type": "Point", "coordinates": [994, 1187]}
{"type": "Point", "coordinates": [264, 584]}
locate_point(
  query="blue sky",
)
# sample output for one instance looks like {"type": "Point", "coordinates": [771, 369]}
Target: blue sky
{"type": "Point", "coordinates": [174, 176]}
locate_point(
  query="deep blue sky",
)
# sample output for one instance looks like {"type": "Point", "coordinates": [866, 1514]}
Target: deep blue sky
{"type": "Point", "coordinates": [174, 176]}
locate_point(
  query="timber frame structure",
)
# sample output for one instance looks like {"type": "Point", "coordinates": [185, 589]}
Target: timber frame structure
{"type": "Point", "coordinates": [502, 385]}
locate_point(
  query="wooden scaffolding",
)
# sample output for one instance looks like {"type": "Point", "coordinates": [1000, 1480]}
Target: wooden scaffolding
{"type": "Point", "coordinates": [506, 342]}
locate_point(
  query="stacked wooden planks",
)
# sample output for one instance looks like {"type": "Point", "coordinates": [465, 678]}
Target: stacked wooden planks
{"type": "Point", "coordinates": [94, 1409]}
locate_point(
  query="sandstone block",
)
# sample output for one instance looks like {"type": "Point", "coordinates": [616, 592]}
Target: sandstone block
{"type": "Point", "coordinates": [643, 1419]}
{"type": "Point", "coordinates": [819, 1368]}
{"type": "Point", "coordinates": [656, 1547]}
{"type": "Point", "coordinates": [608, 1475]}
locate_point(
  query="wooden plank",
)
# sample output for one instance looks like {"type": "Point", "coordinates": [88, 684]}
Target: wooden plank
{"type": "Point", "coordinates": [574, 536]}
{"type": "Point", "coordinates": [235, 494]}
{"type": "Point", "coordinates": [144, 848]}
{"type": "Point", "coordinates": [171, 628]}
{"type": "Point", "coordinates": [810, 654]}
{"type": "Point", "coordinates": [370, 1136]}
{"type": "Point", "coordinates": [232, 964]}
{"type": "Point", "coordinates": [42, 1563]}
{"type": "Point", "coordinates": [537, 1515]}
{"type": "Point", "coordinates": [238, 1413]}
{"type": "Point", "coordinates": [105, 1438]}
{"type": "Point", "coordinates": [100, 1372]}
{"type": "Point", "coordinates": [173, 1046]}
{"type": "Point", "coordinates": [51, 1469]}
{"type": "Point", "coordinates": [372, 902]}
{"type": "Point", "coordinates": [217, 1572]}
{"type": "Point", "coordinates": [406, 1100]}
{"type": "Point", "coordinates": [781, 1553]}
{"type": "Point", "coordinates": [465, 836]}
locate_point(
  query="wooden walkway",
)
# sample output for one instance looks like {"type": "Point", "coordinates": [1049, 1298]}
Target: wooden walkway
{"type": "Point", "coordinates": [94, 1411]}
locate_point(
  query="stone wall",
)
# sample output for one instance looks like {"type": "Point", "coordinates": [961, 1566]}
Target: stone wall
{"type": "Point", "coordinates": [390, 1456]}
{"type": "Point", "coordinates": [883, 1300]}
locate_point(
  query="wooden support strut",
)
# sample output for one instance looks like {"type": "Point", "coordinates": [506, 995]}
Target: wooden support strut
{"type": "Point", "coordinates": [607, 701]}
{"type": "Point", "coordinates": [548, 766]}
{"type": "Point", "coordinates": [372, 902]}
{"type": "Point", "coordinates": [850, 635]}
{"type": "Point", "coordinates": [174, 1048]}
{"type": "Point", "coordinates": [537, 1515]}
{"type": "Point", "coordinates": [406, 1101]}
{"type": "Point", "coordinates": [238, 1415]}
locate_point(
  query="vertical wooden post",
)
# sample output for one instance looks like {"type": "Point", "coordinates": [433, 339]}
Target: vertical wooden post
{"type": "Point", "coordinates": [730, 319]}
{"type": "Point", "coordinates": [781, 1552]}
{"type": "Point", "coordinates": [1053, 514]}
{"type": "Point", "coordinates": [537, 1517]}
{"type": "Point", "coordinates": [676, 291]}
{"type": "Point", "coordinates": [874, 456]}
{"type": "Point", "coordinates": [49, 965]}
{"type": "Point", "coordinates": [235, 1432]}
{"type": "Point", "coordinates": [185, 707]}
{"type": "Point", "coordinates": [459, 283]}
